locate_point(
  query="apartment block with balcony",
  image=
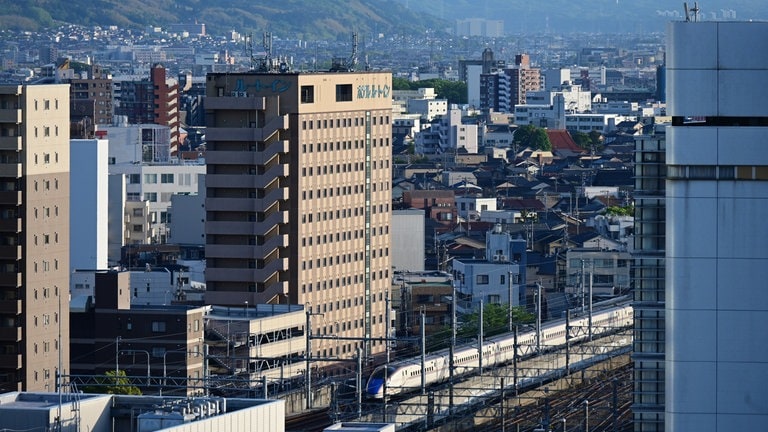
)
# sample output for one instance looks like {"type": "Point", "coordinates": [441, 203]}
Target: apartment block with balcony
{"type": "Point", "coordinates": [298, 197]}
{"type": "Point", "coordinates": [34, 236]}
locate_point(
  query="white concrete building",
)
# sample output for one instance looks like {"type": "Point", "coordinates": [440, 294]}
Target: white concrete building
{"type": "Point", "coordinates": [408, 240]}
{"type": "Point", "coordinates": [88, 204]}
{"type": "Point", "coordinates": [472, 207]}
{"type": "Point", "coordinates": [716, 254]}
{"type": "Point", "coordinates": [448, 134]}
{"type": "Point", "coordinates": [187, 216]}
{"type": "Point", "coordinates": [574, 99]}
{"type": "Point", "coordinates": [599, 122]}
{"type": "Point", "coordinates": [499, 278]}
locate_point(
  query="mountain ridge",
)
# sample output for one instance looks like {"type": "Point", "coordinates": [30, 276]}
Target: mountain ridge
{"type": "Point", "coordinates": [285, 18]}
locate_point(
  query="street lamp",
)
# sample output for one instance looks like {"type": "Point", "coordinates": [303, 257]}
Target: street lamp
{"type": "Point", "coordinates": [134, 351]}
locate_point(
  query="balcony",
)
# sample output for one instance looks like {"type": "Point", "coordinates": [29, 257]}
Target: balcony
{"type": "Point", "coordinates": [10, 334]}
{"type": "Point", "coordinates": [10, 116]}
{"type": "Point", "coordinates": [247, 157]}
{"type": "Point", "coordinates": [10, 252]}
{"type": "Point", "coordinates": [10, 225]}
{"type": "Point", "coordinates": [10, 170]}
{"type": "Point", "coordinates": [10, 198]}
{"type": "Point", "coordinates": [247, 228]}
{"type": "Point", "coordinates": [10, 143]}
{"type": "Point", "coordinates": [230, 251]}
{"type": "Point", "coordinates": [10, 307]}
{"type": "Point", "coordinates": [10, 361]}
{"type": "Point", "coordinates": [10, 279]}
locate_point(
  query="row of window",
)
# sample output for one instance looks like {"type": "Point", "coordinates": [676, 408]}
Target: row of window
{"type": "Point", "coordinates": [45, 265]}
{"type": "Point", "coordinates": [339, 282]}
{"type": "Point", "coordinates": [47, 211]}
{"type": "Point", "coordinates": [343, 168]}
{"type": "Point", "coordinates": [720, 172]}
{"type": "Point", "coordinates": [342, 122]}
{"type": "Point", "coordinates": [47, 185]}
{"type": "Point", "coordinates": [47, 156]}
{"type": "Point", "coordinates": [343, 145]}
{"type": "Point", "coordinates": [342, 191]}
{"type": "Point", "coordinates": [341, 259]}
{"type": "Point", "coordinates": [184, 179]}
{"type": "Point", "coordinates": [343, 213]}
{"type": "Point", "coordinates": [46, 238]}
{"type": "Point", "coordinates": [484, 279]}
{"type": "Point", "coordinates": [47, 104]}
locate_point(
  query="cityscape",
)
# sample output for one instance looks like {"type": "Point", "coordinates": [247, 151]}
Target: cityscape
{"type": "Point", "coordinates": [383, 216]}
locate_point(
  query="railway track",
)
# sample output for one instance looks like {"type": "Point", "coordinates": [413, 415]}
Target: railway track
{"type": "Point", "coordinates": [609, 407]}
{"type": "Point", "coordinates": [310, 421]}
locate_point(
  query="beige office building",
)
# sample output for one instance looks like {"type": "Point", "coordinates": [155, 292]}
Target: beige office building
{"type": "Point", "coordinates": [298, 198]}
{"type": "Point", "coordinates": [34, 236]}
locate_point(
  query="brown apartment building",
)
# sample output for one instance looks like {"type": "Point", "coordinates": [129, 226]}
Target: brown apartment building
{"type": "Point", "coordinates": [298, 198]}
{"type": "Point", "coordinates": [34, 236]}
{"type": "Point", "coordinates": [152, 101]}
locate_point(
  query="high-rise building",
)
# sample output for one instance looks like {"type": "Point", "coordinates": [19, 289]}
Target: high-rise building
{"type": "Point", "coordinates": [298, 197]}
{"type": "Point", "coordinates": [91, 100]}
{"type": "Point", "coordinates": [716, 201]}
{"type": "Point", "coordinates": [649, 282]}
{"type": "Point", "coordinates": [503, 89]}
{"type": "Point", "coordinates": [34, 236]}
{"type": "Point", "coordinates": [154, 100]}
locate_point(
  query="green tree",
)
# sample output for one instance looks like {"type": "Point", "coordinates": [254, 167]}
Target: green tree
{"type": "Point", "coordinates": [533, 137]}
{"type": "Point", "coordinates": [454, 91]}
{"type": "Point", "coordinates": [620, 211]}
{"type": "Point", "coordinates": [581, 139]}
{"type": "Point", "coordinates": [596, 138]}
{"type": "Point", "coordinates": [109, 384]}
{"type": "Point", "coordinates": [400, 84]}
{"type": "Point", "coordinates": [495, 320]}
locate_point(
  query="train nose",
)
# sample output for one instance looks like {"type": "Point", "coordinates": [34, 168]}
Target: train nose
{"type": "Point", "coordinates": [375, 388]}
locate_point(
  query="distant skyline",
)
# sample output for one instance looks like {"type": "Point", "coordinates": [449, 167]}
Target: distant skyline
{"type": "Point", "coordinates": [558, 16]}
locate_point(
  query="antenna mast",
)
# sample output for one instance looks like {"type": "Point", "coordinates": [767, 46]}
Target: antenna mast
{"type": "Point", "coordinates": [694, 10]}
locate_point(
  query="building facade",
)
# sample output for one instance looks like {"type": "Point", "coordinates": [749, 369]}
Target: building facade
{"type": "Point", "coordinates": [649, 282]}
{"type": "Point", "coordinates": [153, 100]}
{"type": "Point", "coordinates": [716, 256]}
{"type": "Point", "coordinates": [90, 222]}
{"type": "Point", "coordinates": [298, 200]}
{"type": "Point", "coordinates": [34, 236]}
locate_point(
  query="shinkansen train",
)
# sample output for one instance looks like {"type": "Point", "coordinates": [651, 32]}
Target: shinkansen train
{"type": "Point", "coordinates": [405, 375]}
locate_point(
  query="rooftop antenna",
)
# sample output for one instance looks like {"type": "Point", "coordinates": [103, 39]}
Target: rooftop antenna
{"type": "Point", "coordinates": [339, 64]}
{"type": "Point", "coordinates": [249, 50]}
{"type": "Point", "coordinates": [266, 42]}
{"type": "Point", "coordinates": [691, 14]}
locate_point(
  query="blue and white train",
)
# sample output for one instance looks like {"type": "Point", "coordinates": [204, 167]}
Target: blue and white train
{"type": "Point", "coordinates": [405, 375]}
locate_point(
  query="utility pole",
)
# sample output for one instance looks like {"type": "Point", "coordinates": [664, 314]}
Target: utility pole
{"type": "Point", "coordinates": [451, 364]}
{"type": "Point", "coordinates": [423, 353]}
{"type": "Point", "coordinates": [308, 355]}
{"type": "Point", "coordinates": [538, 317]}
{"type": "Point", "coordinates": [510, 301]}
{"type": "Point", "coordinates": [582, 286]}
{"type": "Point", "coordinates": [591, 276]}
{"type": "Point", "coordinates": [480, 339]}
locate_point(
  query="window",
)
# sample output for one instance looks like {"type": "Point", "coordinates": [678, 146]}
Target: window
{"type": "Point", "coordinates": [139, 212]}
{"type": "Point", "coordinates": [150, 178]}
{"type": "Point", "coordinates": [307, 94]}
{"type": "Point", "coordinates": [150, 196]}
{"type": "Point", "coordinates": [138, 228]}
{"type": "Point", "coordinates": [343, 92]}
{"type": "Point", "coordinates": [166, 178]}
{"type": "Point", "coordinates": [482, 279]}
{"type": "Point", "coordinates": [134, 178]}
{"type": "Point", "coordinates": [158, 326]}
